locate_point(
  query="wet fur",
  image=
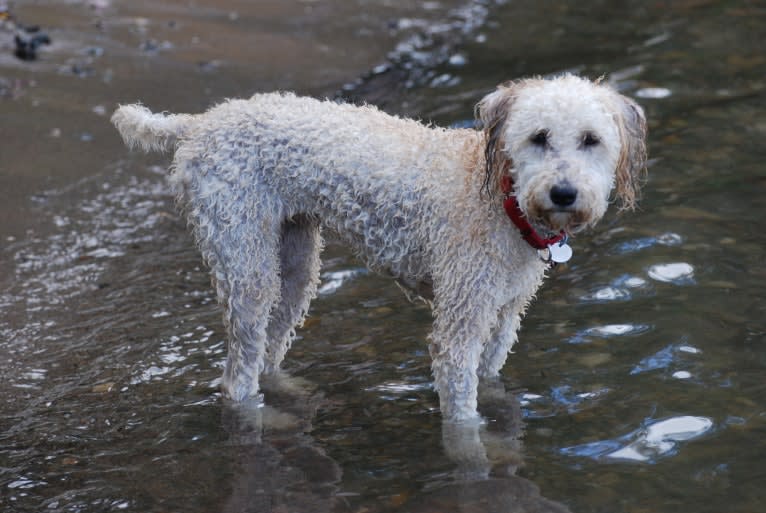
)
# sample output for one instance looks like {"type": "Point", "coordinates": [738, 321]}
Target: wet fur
{"type": "Point", "coordinates": [260, 179]}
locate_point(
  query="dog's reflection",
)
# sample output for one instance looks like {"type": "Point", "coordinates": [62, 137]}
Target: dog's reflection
{"type": "Point", "coordinates": [283, 469]}
{"type": "Point", "coordinates": [489, 446]}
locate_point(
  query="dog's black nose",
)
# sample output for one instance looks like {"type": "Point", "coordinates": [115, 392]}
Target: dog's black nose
{"type": "Point", "coordinates": [563, 195]}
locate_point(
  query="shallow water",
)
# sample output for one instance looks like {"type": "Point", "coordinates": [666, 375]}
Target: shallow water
{"type": "Point", "coordinates": [638, 381]}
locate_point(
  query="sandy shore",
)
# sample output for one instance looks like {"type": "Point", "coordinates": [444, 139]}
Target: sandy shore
{"type": "Point", "coordinates": [54, 128]}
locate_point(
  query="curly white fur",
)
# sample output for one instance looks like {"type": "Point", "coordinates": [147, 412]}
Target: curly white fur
{"type": "Point", "coordinates": [260, 178]}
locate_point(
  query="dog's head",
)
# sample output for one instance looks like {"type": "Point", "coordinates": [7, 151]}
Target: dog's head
{"type": "Point", "coordinates": [567, 143]}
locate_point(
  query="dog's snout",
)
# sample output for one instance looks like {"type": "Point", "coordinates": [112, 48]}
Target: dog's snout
{"type": "Point", "coordinates": [563, 195]}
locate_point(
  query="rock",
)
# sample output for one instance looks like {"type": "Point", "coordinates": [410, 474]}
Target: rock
{"type": "Point", "coordinates": [28, 41]}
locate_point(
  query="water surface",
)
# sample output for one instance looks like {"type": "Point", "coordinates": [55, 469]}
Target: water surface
{"type": "Point", "coordinates": [638, 381]}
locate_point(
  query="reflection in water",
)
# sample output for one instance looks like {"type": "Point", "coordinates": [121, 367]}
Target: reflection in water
{"type": "Point", "coordinates": [659, 438]}
{"type": "Point", "coordinates": [679, 272]}
{"type": "Point", "coordinates": [666, 357]}
{"type": "Point", "coordinates": [607, 331]}
{"type": "Point", "coordinates": [279, 467]}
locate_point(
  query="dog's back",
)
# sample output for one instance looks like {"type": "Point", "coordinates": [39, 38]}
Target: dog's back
{"type": "Point", "coordinates": [360, 171]}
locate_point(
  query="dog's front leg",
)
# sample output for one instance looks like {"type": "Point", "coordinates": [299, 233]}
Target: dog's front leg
{"type": "Point", "coordinates": [455, 362]}
{"type": "Point", "coordinates": [501, 342]}
{"type": "Point", "coordinates": [462, 327]}
{"type": "Point", "coordinates": [465, 314]}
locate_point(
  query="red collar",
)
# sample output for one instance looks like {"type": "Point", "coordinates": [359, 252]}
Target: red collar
{"type": "Point", "coordinates": [511, 205]}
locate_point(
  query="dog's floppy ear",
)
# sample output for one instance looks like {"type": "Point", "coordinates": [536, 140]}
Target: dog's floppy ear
{"type": "Point", "coordinates": [631, 167]}
{"type": "Point", "coordinates": [491, 113]}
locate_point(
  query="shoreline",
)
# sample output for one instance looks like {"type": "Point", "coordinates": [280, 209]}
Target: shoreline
{"type": "Point", "coordinates": [56, 130]}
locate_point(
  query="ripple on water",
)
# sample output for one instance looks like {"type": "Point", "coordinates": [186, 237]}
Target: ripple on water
{"type": "Point", "coordinates": [24, 483]}
{"type": "Point", "coordinates": [332, 281]}
{"type": "Point", "coordinates": [678, 273]}
{"type": "Point", "coordinates": [621, 289]}
{"type": "Point", "coordinates": [180, 355]}
{"type": "Point", "coordinates": [606, 294]}
{"type": "Point", "coordinates": [396, 390]}
{"type": "Point", "coordinates": [656, 440]}
{"type": "Point", "coordinates": [536, 406]}
{"type": "Point", "coordinates": [631, 282]}
{"type": "Point", "coordinates": [50, 270]}
{"type": "Point", "coordinates": [608, 331]}
{"type": "Point", "coordinates": [654, 93]}
{"type": "Point", "coordinates": [665, 239]}
{"type": "Point", "coordinates": [624, 287]}
{"type": "Point", "coordinates": [665, 358]}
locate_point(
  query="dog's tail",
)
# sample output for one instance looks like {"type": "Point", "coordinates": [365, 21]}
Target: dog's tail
{"type": "Point", "coordinates": [138, 126]}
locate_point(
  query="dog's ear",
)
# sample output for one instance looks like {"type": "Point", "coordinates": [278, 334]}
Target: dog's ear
{"type": "Point", "coordinates": [491, 113]}
{"type": "Point", "coordinates": [631, 167]}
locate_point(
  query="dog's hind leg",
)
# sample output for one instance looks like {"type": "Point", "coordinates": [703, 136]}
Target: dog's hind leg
{"type": "Point", "coordinates": [253, 288]}
{"type": "Point", "coordinates": [300, 246]}
{"type": "Point", "coordinates": [239, 236]}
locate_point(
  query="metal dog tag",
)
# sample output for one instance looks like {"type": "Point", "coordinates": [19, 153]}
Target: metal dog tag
{"type": "Point", "coordinates": [560, 252]}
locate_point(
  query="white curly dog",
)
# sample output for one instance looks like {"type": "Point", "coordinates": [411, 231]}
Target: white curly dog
{"type": "Point", "coordinates": [467, 218]}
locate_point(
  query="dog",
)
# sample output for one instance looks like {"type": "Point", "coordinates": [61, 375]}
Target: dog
{"type": "Point", "coordinates": [469, 219]}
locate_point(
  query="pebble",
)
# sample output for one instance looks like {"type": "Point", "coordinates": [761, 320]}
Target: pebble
{"type": "Point", "coordinates": [103, 388]}
{"type": "Point", "coordinates": [594, 359]}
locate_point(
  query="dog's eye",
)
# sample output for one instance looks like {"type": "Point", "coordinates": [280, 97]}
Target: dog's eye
{"type": "Point", "coordinates": [540, 138]}
{"type": "Point", "coordinates": [590, 139]}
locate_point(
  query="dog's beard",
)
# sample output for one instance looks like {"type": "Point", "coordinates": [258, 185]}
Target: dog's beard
{"type": "Point", "coordinates": [550, 219]}
{"type": "Point", "coordinates": [553, 221]}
